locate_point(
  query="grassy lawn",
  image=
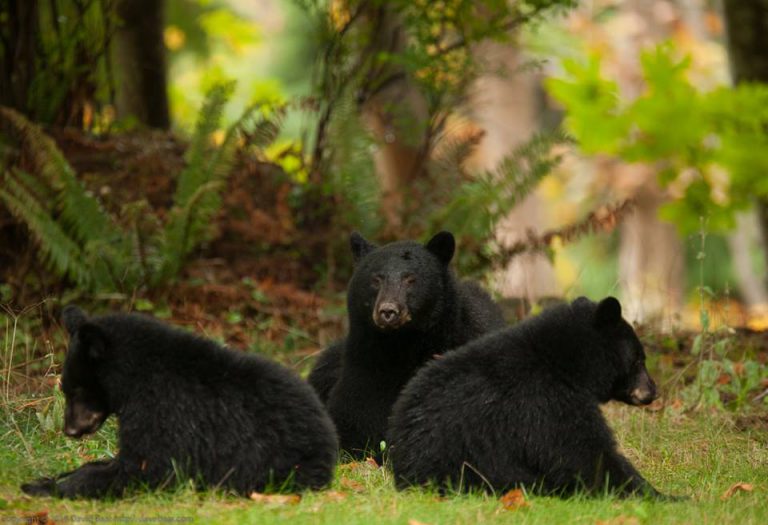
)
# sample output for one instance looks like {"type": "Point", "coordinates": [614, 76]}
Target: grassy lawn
{"type": "Point", "coordinates": [697, 454]}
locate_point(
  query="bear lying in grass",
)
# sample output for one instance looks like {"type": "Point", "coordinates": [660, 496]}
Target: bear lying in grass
{"type": "Point", "coordinates": [520, 407]}
{"type": "Point", "coordinates": [186, 406]}
{"type": "Point", "coordinates": [405, 306]}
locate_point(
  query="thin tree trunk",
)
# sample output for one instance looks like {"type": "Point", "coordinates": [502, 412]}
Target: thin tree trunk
{"type": "Point", "coordinates": [140, 63]}
{"type": "Point", "coordinates": [746, 23]}
{"type": "Point", "coordinates": [18, 52]}
{"type": "Point", "coordinates": [505, 106]}
{"type": "Point", "coordinates": [397, 115]}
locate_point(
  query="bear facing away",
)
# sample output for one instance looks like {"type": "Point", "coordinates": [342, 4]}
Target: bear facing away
{"type": "Point", "coordinates": [520, 407]}
{"type": "Point", "coordinates": [405, 306]}
{"type": "Point", "coordinates": [186, 405]}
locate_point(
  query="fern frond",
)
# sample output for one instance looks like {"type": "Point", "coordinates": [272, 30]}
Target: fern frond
{"type": "Point", "coordinates": [492, 194]}
{"type": "Point", "coordinates": [196, 172]}
{"type": "Point", "coordinates": [78, 209]}
{"type": "Point", "coordinates": [61, 253]}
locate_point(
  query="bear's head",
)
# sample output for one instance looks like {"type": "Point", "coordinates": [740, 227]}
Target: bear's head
{"type": "Point", "coordinates": [86, 400]}
{"type": "Point", "coordinates": [400, 285]}
{"type": "Point", "coordinates": [623, 351]}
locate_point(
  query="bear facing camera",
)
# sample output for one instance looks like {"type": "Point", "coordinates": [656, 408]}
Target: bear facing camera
{"type": "Point", "coordinates": [187, 408]}
{"type": "Point", "coordinates": [520, 408]}
{"type": "Point", "coordinates": [405, 306]}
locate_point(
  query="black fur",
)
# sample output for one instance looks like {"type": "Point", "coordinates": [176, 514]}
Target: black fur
{"type": "Point", "coordinates": [520, 407]}
{"type": "Point", "coordinates": [187, 405]}
{"type": "Point", "coordinates": [405, 306]}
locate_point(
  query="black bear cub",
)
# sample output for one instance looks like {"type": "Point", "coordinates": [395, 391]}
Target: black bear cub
{"type": "Point", "coordinates": [188, 406]}
{"type": "Point", "coordinates": [520, 407]}
{"type": "Point", "coordinates": [405, 306]}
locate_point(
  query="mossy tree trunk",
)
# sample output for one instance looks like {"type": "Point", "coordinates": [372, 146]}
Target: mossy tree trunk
{"type": "Point", "coordinates": [141, 63]}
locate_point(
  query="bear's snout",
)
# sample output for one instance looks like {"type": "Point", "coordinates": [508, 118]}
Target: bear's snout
{"type": "Point", "coordinates": [645, 390]}
{"type": "Point", "coordinates": [389, 315]}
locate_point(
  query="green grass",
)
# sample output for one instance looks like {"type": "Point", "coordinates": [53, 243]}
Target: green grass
{"type": "Point", "coordinates": [697, 454]}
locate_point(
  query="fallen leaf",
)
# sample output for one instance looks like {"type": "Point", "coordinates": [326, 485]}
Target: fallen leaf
{"type": "Point", "coordinates": [513, 500]}
{"type": "Point", "coordinates": [38, 518]}
{"type": "Point", "coordinates": [275, 499]}
{"type": "Point", "coordinates": [656, 406]}
{"type": "Point", "coordinates": [416, 522]}
{"type": "Point", "coordinates": [351, 484]}
{"type": "Point", "coordinates": [335, 495]}
{"type": "Point", "coordinates": [368, 464]}
{"type": "Point", "coordinates": [737, 487]}
{"type": "Point", "coordinates": [619, 520]}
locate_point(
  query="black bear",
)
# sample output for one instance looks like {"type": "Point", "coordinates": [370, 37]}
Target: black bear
{"type": "Point", "coordinates": [520, 407]}
{"type": "Point", "coordinates": [405, 306]}
{"type": "Point", "coordinates": [186, 405]}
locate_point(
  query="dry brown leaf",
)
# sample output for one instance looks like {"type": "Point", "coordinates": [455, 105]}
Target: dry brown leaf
{"type": "Point", "coordinates": [737, 487]}
{"type": "Point", "coordinates": [723, 379]}
{"type": "Point", "coordinates": [335, 495]}
{"type": "Point", "coordinates": [351, 484]}
{"type": "Point", "coordinates": [416, 522]}
{"type": "Point", "coordinates": [368, 464]}
{"type": "Point", "coordinates": [513, 500]}
{"type": "Point", "coordinates": [677, 403]}
{"type": "Point", "coordinates": [619, 520]}
{"type": "Point", "coordinates": [275, 499]}
{"type": "Point", "coordinates": [38, 518]}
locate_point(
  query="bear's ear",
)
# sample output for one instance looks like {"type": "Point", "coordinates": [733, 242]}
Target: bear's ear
{"type": "Point", "coordinates": [92, 340]}
{"type": "Point", "coordinates": [608, 312]}
{"type": "Point", "coordinates": [360, 246]}
{"type": "Point", "coordinates": [73, 317]}
{"type": "Point", "coordinates": [442, 245]}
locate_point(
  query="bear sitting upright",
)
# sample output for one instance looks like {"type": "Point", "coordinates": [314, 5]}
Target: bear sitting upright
{"type": "Point", "coordinates": [405, 306]}
{"type": "Point", "coordinates": [520, 407]}
{"type": "Point", "coordinates": [186, 406]}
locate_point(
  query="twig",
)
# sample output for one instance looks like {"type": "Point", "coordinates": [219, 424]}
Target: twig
{"type": "Point", "coordinates": [605, 219]}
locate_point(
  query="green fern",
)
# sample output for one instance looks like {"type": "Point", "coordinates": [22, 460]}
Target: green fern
{"type": "Point", "coordinates": [79, 240]}
{"type": "Point", "coordinates": [80, 211]}
{"type": "Point", "coordinates": [198, 195]}
{"type": "Point", "coordinates": [472, 206]}
{"type": "Point", "coordinates": [57, 248]}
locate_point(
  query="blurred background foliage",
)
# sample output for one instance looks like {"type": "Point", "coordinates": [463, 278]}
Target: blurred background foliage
{"type": "Point", "coordinates": [262, 133]}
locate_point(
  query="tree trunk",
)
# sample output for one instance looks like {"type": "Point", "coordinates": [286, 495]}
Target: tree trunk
{"type": "Point", "coordinates": [17, 56]}
{"type": "Point", "coordinates": [397, 115]}
{"type": "Point", "coordinates": [746, 24]}
{"type": "Point", "coordinates": [505, 106]}
{"type": "Point", "coordinates": [140, 63]}
{"type": "Point", "coordinates": [651, 260]}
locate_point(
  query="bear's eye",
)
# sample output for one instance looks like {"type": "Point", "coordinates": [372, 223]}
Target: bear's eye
{"type": "Point", "coordinates": [376, 282]}
{"type": "Point", "coordinates": [409, 278]}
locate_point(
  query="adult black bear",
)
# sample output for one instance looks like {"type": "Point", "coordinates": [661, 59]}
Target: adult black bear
{"type": "Point", "coordinates": [405, 306]}
{"type": "Point", "coordinates": [186, 405]}
{"type": "Point", "coordinates": [520, 407]}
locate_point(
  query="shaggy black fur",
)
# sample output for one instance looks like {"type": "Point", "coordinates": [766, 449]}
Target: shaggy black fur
{"type": "Point", "coordinates": [520, 407]}
{"type": "Point", "coordinates": [186, 405]}
{"type": "Point", "coordinates": [405, 306]}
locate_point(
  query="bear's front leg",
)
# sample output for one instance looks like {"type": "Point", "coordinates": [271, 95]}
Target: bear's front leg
{"type": "Point", "coordinates": [625, 480]}
{"type": "Point", "coordinates": [93, 480]}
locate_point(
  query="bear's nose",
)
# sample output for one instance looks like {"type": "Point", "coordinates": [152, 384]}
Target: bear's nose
{"type": "Point", "coordinates": [72, 432]}
{"type": "Point", "coordinates": [388, 312]}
